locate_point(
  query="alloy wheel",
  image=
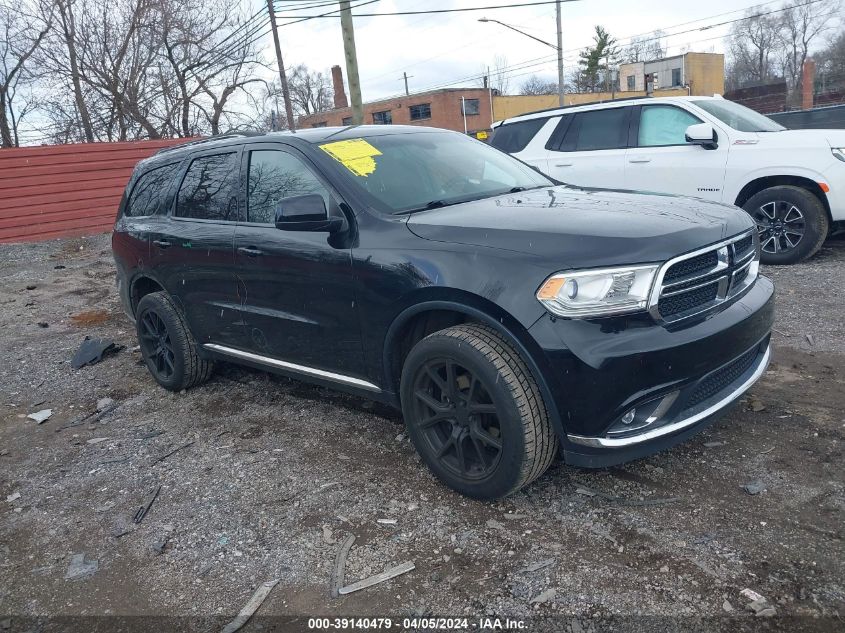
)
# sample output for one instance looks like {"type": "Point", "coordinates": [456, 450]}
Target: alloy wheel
{"type": "Point", "coordinates": [780, 224]}
{"type": "Point", "coordinates": [458, 419]}
{"type": "Point", "coordinates": [156, 345]}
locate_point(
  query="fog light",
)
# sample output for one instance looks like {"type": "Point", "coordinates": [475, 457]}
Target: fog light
{"type": "Point", "coordinates": [629, 417]}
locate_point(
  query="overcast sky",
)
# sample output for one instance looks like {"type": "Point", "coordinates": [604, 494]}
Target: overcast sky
{"type": "Point", "coordinates": [437, 49]}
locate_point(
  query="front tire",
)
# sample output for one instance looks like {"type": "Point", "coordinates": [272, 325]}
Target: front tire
{"type": "Point", "coordinates": [167, 345]}
{"type": "Point", "coordinates": [791, 221]}
{"type": "Point", "coordinates": [474, 412]}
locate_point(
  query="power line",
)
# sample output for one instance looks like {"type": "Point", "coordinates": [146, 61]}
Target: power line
{"type": "Point", "coordinates": [460, 10]}
{"type": "Point", "coordinates": [547, 59]}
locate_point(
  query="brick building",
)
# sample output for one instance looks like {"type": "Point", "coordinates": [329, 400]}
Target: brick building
{"type": "Point", "coordinates": [448, 108]}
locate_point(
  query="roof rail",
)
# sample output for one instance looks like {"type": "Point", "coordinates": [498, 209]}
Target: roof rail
{"type": "Point", "coordinates": [578, 105]}
{"type": "Point", "coordinates": [200, 141]}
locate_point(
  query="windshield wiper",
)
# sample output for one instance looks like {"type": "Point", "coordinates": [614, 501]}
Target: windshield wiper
{"type": "Point", "coordinates": [434, 204]}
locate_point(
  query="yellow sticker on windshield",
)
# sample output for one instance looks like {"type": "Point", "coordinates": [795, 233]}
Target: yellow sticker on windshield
{"type": "Point", "coordinates": [355, 154]}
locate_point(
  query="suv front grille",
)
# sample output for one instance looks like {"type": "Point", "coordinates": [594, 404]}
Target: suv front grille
{"type": "Point", "coordinates": [722, 378]}
{"type": "Point", "coordinates": [703, 280]}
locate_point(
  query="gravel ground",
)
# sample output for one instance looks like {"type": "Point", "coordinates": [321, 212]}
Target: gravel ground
{"type": "Point", "coordinates": [270, 475]}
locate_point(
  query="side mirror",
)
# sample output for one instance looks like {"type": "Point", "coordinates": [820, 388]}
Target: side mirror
{"type": "Point", "coordinates": [306, 213]}
{"type": "Point", "coordinates": [702, 134]}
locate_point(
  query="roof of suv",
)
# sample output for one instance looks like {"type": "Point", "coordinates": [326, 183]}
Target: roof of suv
{"type": "Point", "coordinates": [310, 136]}
{"type": "Point", "coordinates": [550, 112]}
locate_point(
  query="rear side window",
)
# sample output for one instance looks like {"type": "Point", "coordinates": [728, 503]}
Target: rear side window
{"type": "Point", "coordinates": [209, 190]}
{"type": "Point", "coordinates": [598, 129]}
{"type": "Point", "coordinates": [149, 191]}
{"type": "Point", "coordinates": [514, 137]}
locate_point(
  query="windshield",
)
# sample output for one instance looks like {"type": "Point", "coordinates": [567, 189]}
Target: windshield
{"type": "Point", "coordinates": [425, 170]}
{"type": "Point", "coordinates": [737, 116]}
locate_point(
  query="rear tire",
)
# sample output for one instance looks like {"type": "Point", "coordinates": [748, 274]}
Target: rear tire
{"type": "Point", "coordinates": [474, 412]}
{"type": "Point", "coordinates": [167, 345]}
{"type": "Point", "coordinates": [791, 221]}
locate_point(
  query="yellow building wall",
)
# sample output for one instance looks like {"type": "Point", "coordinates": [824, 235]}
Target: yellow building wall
{"type": "Point", "coordinates": [507, 106]}
{"type": "Point", "coordinates": [705, 73]}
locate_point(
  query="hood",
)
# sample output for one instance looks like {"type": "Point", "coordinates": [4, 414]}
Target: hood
{"type": "Point", "coordinates": [584, 227]}
{"type": "Point", "coordinates": [802, 138]}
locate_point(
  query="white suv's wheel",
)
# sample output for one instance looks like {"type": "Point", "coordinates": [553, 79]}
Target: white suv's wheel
{"type": "Point", "coordinates": [791, 221]}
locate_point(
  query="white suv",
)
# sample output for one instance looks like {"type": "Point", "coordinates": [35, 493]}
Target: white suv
{"type": "Point", "coordinates": [792, 182]}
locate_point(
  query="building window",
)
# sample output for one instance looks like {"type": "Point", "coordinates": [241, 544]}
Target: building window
{"type": "Point", "coordinates": [347, 120]}
{"type": "Point", "coordinates": [382, 118]}
{"type": "Point", "coordinates": [676, 77]}
{"type": "Point", "coordinates": [420, 112]}
{"type": "Point", "coordinates": [632, 85]}
{"type": "Point", "coordinates": [471, 106]}
{"type": "Point", "coordinates": [320, 124]}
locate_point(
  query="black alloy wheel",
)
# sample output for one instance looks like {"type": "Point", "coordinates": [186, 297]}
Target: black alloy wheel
{"type": "Point", "coordinates": [475, 413]}
{"type": "Point", "coordinates": [457, 418]}
{"type": "Point", "coordinates": [156, 346]}
{"type": "Point", "coordinates": [167, 345]}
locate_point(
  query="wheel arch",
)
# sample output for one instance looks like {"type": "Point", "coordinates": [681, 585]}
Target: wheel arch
{"type": "Point", "coordinates": [757, 185]}
{"type": "Point", "coordinates": [140, 286]}
{"type": "Point", "coordinates": [434, 313]}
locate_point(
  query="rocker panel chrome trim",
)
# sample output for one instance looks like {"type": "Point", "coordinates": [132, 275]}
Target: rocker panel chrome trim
{"type": "Point", "coordinates": [293, 367]}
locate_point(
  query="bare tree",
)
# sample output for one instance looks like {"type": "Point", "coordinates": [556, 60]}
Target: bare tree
{"type": "Point", "coordinates": [22, 31]}
{"type": "Point", "coordinates": [801, 25]}
{"type": "Point", "coordinates": [645, 48]}
{"type": "Point", "coordinates": [535, 85]}
{"type": "Point", "coordinates": [310, 91]}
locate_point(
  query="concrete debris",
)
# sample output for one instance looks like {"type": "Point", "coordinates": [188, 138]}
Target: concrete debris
{"type": "Point", "coordinates": [328, 535]}
{"type": "Point", "coordinates": [393, 572]}
{"type": "Point", "coordinates": [40, 416]}
{"type": "Point", "coordinates": [761, 608]}
{"type": "Point", "coordinates": [80, 568]}
{"type": "Point", "coordinates": [13, 497]}
{"type": "Point", "coordinates": [750, 594]}
{"type": "Point", "coordinates": [544, 597]}
{"type": "Point", "coordinates": [104, 403]}
{"type": "Point", "coordinates": [251, 607]}
{"type": "Point", "coordinates": [386, 521]}
{"type": "Point", "coordinates": [754, 487]}
{"type": "Point", "coordinates": [755, 404]}
{"type": "Point", "coordinates": [727, 607]}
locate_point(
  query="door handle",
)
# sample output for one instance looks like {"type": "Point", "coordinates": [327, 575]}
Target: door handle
{"type": "Point", "coordinates": [639, 159]}
{"type": "Point", "coordinates": [162, 243]}
{"type": "Point", "coordinates": [250, 251]}
{"type": "Point", "coordinates": [563, 164]}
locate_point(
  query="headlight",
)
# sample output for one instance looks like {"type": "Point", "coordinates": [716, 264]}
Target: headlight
{"type": "Point", "coordinates": [585, 293]}
{"type": "Point", "coordinates": [839, 152]}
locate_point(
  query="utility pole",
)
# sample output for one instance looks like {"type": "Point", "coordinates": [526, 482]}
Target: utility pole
{"type": "Point", "coordinates": [282, 77]}
{"type": "Point", "coordinates": [351, 62]}
{"type": "Point", "coordinates": [559, 55]}
{"type": "Point", "coordinates": [405, 75]}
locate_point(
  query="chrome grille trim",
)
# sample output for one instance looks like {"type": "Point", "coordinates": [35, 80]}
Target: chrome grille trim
{"type": "Point", "coordinates": [729, 262]}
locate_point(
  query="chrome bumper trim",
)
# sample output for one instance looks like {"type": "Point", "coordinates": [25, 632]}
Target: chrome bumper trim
{"type": "Point", "coordinates": [605, 442]}
{"type": "Point", "coordinates": [293, 367]}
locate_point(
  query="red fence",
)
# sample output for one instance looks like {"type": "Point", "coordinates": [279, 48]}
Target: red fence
{"type": "Point", "coordinates": [66, 190]}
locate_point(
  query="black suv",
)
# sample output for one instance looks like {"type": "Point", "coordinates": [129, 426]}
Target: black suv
{"type": "Point", "coordinates": [510, 317]}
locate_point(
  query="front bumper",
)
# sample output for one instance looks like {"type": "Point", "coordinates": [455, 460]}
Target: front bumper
{"type": "Point", "coordinates": [674, 381]}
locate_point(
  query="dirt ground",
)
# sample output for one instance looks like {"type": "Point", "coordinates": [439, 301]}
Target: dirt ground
{"type": "Point", "coordinates": [270, 475]}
